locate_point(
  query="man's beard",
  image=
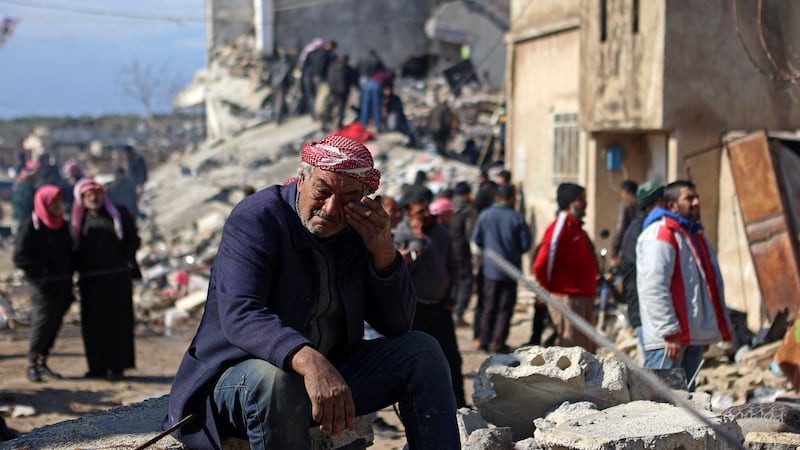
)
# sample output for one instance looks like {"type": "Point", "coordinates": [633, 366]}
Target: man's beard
{"type": "Point", "coordinates": [92, 205]}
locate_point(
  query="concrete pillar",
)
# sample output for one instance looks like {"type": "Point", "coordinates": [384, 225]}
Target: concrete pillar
{"type": "Point", "coordinates": [264, 18]}
{"type": "Point", "coordinates": [674, 164]}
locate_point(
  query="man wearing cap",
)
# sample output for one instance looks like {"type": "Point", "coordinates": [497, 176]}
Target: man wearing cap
{"type": "Point", "coordinates": [566, 266]}
{"type": "Point", "coordinates": [681, 295]}
{"type": "Point", "coordinates": [649, 195]}
{"type": "Point", "coordinates": [300, 267]}
{"type": "Point", "coordinates": [503, 230]}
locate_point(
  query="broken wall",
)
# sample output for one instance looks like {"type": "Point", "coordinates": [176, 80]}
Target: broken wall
{"type": "Point", "coordinates": [394, 29]}
{"type": "Point", "coordinates": [229, 19]}
{"type": "Point", "coordinates": [710, 85]}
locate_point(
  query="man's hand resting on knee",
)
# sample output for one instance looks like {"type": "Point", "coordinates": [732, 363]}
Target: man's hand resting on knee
{"type": "Point", "coordinates": [331, 401]}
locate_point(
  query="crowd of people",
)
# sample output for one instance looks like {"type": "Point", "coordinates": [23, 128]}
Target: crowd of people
{"type": "Point", "coordinates": [326, 79]}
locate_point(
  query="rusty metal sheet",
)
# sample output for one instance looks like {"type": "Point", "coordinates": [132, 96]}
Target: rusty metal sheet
{"type": "Point", "coordinates": [760, 186]}
{"type": "Point", "coordinates": [776, 268]}
{"type": "Point", "coordinates": [755, 179]}
{"type": "Point", "coordinates": [765, 229]}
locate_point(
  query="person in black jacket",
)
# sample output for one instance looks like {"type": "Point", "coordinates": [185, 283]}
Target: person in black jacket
{"type": "Point", "coordinates": [649, 195]}
{"type": "Point", "coordinates": [106, 241]}
{"type": "Point", "coordinates": [341, 79]}
{"type": "Point", "coordinates": [43, 250]}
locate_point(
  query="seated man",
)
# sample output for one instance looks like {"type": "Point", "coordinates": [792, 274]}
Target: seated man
{"type": "Point", "coordinates": [279, 348]}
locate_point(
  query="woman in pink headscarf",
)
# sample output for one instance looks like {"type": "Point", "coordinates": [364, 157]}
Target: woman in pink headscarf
{"type": "Point", "coordinates": [43, 251]}
{"type": "Point", "coordinates": [105, 239]}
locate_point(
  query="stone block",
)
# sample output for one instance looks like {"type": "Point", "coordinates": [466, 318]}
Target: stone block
{"type": "Point", "coordinates": [469, 421]}
{"type": "Point", "coordinates": [514, 389]}
{"type": "Point", "coordinates": [133, 425]}
{"type": "Point", "coordinates": [762, 440]}
{"type": "Point", "coordinates": [640, 424]}
{"type": "Point", "coordinates": [490, 439]}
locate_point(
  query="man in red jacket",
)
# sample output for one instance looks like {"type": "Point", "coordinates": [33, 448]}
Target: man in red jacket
{"type": "Point", "coordinates": [566, 265]}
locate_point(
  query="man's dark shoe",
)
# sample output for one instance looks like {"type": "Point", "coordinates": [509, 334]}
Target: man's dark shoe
{"type": "Point", "coordinates": [34, 375]}
{"type": "Point", "coordinates": [7, 434]}
{"type": "Point", "coordinates": [381, 428]}
{"type": "Point", "coordinates": [44, 370]}
{"type": "Point", "coordinates": [94, 374]}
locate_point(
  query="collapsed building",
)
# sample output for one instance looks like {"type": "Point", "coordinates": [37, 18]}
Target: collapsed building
{"type": "Point", "coordinates": [413, 38]}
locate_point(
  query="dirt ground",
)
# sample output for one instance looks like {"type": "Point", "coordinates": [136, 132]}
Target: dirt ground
{"type": "Point", "coordinates": [157, 358]}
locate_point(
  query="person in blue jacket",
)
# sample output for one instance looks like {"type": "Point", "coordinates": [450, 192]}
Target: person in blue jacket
{"type": "Point", "coordinates": [279, 349]}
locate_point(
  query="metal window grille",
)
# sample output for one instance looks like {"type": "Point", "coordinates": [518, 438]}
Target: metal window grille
{"type": "Point", "coordinates": [565, 147]}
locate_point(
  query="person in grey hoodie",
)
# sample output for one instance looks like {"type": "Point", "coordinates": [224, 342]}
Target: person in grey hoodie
{"type": "Point", "coordinates": [429, 254]}
{"type": "Point", "coordinates": [681, 295]}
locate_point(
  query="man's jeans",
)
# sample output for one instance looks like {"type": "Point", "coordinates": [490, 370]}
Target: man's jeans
{"type": "Point", "coordinates": [689, 359]}
{"type": "Point", "coordinates": [271, 408]}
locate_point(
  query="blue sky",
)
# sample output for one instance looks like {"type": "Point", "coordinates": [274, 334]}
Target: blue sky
{"type": "Point", "coordinates": [65, 63]}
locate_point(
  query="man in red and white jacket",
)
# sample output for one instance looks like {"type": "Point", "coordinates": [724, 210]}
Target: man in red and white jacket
{"type": "Point", "coordinates": [566, 266]}
{"type": "Point", "coordinates": [681, 295]}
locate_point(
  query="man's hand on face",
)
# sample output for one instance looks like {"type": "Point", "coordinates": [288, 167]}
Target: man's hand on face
{"type": "Point", "coordinates": [331, 401]}
{"type": "Point", "coordinates": [370, 220]}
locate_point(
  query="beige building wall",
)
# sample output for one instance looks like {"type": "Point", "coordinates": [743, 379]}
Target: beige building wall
{"type": "Point", "coordinates": [711, 86]}
{"type": "Point", "coordinates": [623, 81]}
{"type": "Point", "coordinates": [544, 80]}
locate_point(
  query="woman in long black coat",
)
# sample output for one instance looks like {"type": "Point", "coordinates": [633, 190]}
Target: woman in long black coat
{"type": "Point", "coordinates": [106, 242]}
{"type": "Point", "coordinates": [43, 250]}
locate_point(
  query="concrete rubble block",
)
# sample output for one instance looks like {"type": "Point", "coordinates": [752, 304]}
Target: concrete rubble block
{"type": "Point", "coordinates": [766, 417]}
{"type": "Point", "coordinates": [490, 439]}
{"type": "Point", "coordinates": [469, 421]}
{"type": "Point", "coordinates": [566, 411]}
{"type": "Point", "coordinates": [639, 424]}
{"type": "Point", "coordinates": [526, 444]}
{"type": "Point", "coordinates": [210, 224]}
{"type": "Point", "coordinates": [514, 389]}
{"type": "Point", "coordinates": [758, 440]}
{"type": "Point", "coordinates": [133, 425]}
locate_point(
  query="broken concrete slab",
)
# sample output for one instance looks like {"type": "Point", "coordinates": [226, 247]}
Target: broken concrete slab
{"type": "Point", "coordinates": [771, 441]}
{"type": "Point", "coordinates": [133, 425]}
{"type": "Point", "coordinates": [514, 389]}
{"type": "Point", "coordinates": [490, 439]}
{"type": "Point", "coordinates": [766, 417]}
{"type": "Point", "coordinates": [640, 424]}
{"type": "Point", "coordinates": [469, 421]}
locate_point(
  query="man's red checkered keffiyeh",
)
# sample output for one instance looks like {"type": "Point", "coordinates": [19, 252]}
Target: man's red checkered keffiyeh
{"type": "Point", "coordinates": [343, 155]}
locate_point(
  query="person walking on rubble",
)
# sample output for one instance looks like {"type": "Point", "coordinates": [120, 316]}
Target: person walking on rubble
{"type": "Point", "coordinates": [299, 268]}
{"type": "Point", "coordinates": [434, 272]}
{"type": "Point", "coordinates": [280, 80]}
{"type": "Point", "coordinates": [566, 266]}
{"type": "Point", "coordinates": [503, 230]}
{"type": "Point", "coordinates": [341, 79]}
{"type": "Point", "coordinates": [626, 212]}
{"type": "Point", "coordinates": [460, 232]}
{"type": "Point", "coordinates": [43, 250]}
{"type": "Point", "coordinates": [649, 195]}
{"type": "Point", "coordinates": [681, 295]}
{"type": "Point", "coordinates": [106, 241]}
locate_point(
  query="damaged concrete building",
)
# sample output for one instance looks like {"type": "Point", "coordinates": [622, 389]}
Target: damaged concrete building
{"type": "Point", "coordinates": [417, 37]}
{"type": "Point", "coordinates": [601, 91]}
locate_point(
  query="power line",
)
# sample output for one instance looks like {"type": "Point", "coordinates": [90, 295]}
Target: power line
{"type": "Point", "coordinates": [103, 13]}
{"type": "Point", "coordinates": [288, 6]}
